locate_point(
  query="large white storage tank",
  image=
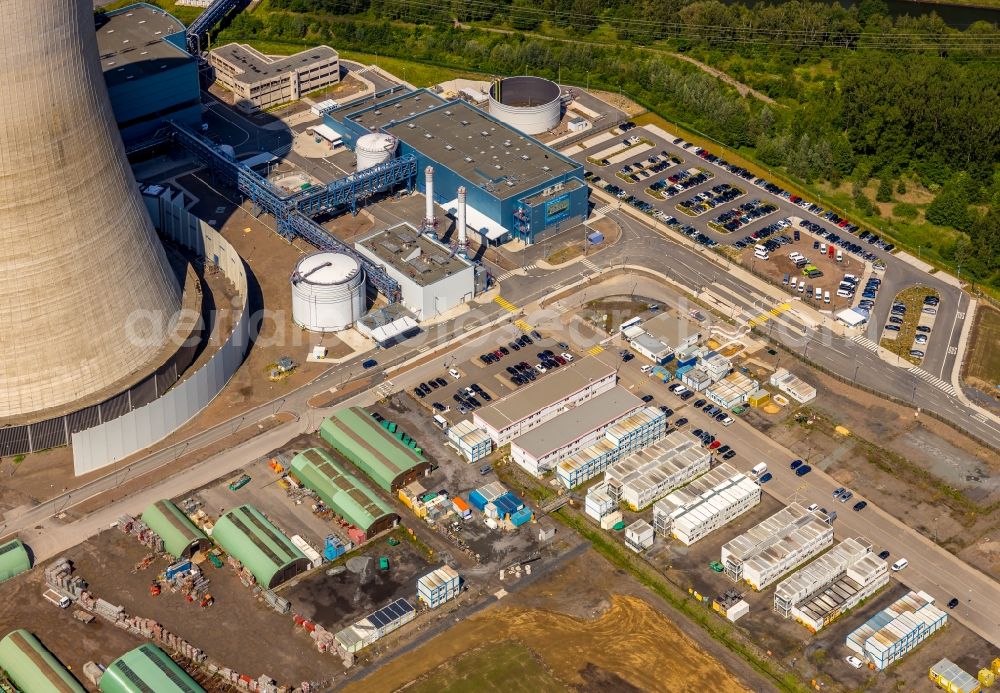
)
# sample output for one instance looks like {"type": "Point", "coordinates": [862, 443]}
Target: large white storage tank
{"type": "Point", "coordinates": [533, 105]}
{"type": "Point", "coordinates": [374, 148]}
{"type": "Point", "coordinates": [328, 292]}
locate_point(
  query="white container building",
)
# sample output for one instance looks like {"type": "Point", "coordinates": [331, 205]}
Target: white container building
{"type": "Point", "coordinates": [767, 551]}
{"type": "Point", "coordinates": [639, 535]}
{"type": "Point", "coordinates": [542, 448]}
{"type": "Point", "coordinates": [544, 400]}
{"type": "Point", "coordinates": [328, 292]}
{"type": "Point", "coordinates": [733, 390]}
{"type": "Point", "coordinates": [471, 441]}
{"type": "Point", "coordinates": [647, 475]}
{"type": "Point", "coordinates": [831, 585]}
{"type": "Point", "coordinates": [634, 432]}
{"type": "Point", "coordinates": [677, 332]}
{"type": "Point", "coordinates": [715, 365]}
{"type": "Point", "coordinates": [893, 632]}
{"type": "Point", "coordinates": [793, 386]}
{"type": "Point", "coordinates": [706, 504]}
{"type": "Point", "coordinates": [598, 502]}
{"type": "Point", "coordinates": [438, 586]}
{"type": "Point", "coordinates": [696, 379]}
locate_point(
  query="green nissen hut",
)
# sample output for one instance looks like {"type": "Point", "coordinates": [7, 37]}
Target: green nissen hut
{"type": "Point", "coordinates": [373, 449]}
{"type": "Point", "coordinates": [145, 669]}
{"type": "Point", "coordinates": [32, 668]}
{"type": "Point", "coordinates": [14, 559]}
{"type": "Point", "coordinates": [181, 537]}
{"type": "Point", "coordinates": [267, 553]}
{"type": "Point", "coordinates": [343, 492]}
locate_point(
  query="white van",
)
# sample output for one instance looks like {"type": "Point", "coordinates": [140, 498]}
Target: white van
{"type": "Point", "coordinates": [826, 296]}
{"type": "Point", "coordinates": [818, 294]}
{"type": "Point", "coordinates": [646, 369]}
{"type": "Point", "coordinates": [840, 255]}
{"type": "Point", "coordinates": [795, 282]}
{"type": "Point", "coordinates": [441, 421]}
{"type": "Point", "coordinates": [900, 564]}
{"type": "Point", "coordinates": [760, 252]}
{"type": "Point", "coordinates": [759, 469]}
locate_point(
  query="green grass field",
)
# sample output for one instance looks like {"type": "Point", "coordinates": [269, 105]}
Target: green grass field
{"type": "Point", "coordinates": [506, 667]}
{"type": "Point", "coordinates": [913, 298]}
{"type": "Point", "coordinates": [984, 357]}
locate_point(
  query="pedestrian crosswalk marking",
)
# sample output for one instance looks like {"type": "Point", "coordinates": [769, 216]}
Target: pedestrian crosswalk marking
{"type": "Point", "coordinates": [510, 273]}
{"type": "Point", "coordinates": [523, 326]}
{"type": "Point", "coordinates": [590, 265]}
{"type": "Point", "coordinates": [604, 209]}
{"type": "Point", "coordinates": [865, 342]}
{"type": "Point", "coordinates": [595, 350]}
{"type": "Point", "coordinates": [505, 304]}
{"type": "Point", "coordinates": [764, 317]}
{"type": "Point", "coordinates": [934, 380]}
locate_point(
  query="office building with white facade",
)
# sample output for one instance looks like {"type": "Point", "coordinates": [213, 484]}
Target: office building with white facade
{"type": "Point", "coordinates": [542, 448]}
{"type": "Point", "coordinates": [544, 400]}
{"type": "Point", "coordinates": [767, 551]}
{"type": "Point", "coordinates": [647, 475]}
{"type": "Point", "coordinates": [834, 583]}
{"type": "Point", "coordinates": [706, 504]}
{"type": "Point", "coordinates": [897, 629]}
{"type": "Point", "coordinates": [634, 432]}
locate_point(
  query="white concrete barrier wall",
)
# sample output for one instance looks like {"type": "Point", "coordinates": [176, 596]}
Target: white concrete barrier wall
{"type": "Point", "coordinates": [103, 445]}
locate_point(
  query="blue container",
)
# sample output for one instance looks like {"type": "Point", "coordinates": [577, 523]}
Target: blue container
{"type": "Point", "coordinates": [178, 568]}
{"type": "Point", "coordinates": [520, 517]}
{"type": "Point", "coordinates": [595, 238]}
{"type": "Point", "coordinates": [477, 501]}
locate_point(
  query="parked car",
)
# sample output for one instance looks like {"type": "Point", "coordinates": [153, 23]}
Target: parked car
{"type": "Point", "coordinates": [953, 602]}
{"type": "Point", "coordinates": [765, 478]}
{"type": "Point", "coordinates": [854, 661]}
{"type": "Point", "coordinates": [840, 490]}
{"type": "Point", "coordinates": [369, 363]}
{"type": "Point", "coordinates": [729, 455]}
{"type": "Point", "coordinates": [680, 422]}
{"type": "Point", "coordinates": [796, 464]}
{"type": "Point", "coordinates": [846, 496]}
{"type": "Point", "coordinates": [803, 470]}
{"type": "Point", "coordinates": [860, 505]}
{"type": "Point", "coordinates": [647, 398]}
{"type": "Point", "coordinates": [883, 555]}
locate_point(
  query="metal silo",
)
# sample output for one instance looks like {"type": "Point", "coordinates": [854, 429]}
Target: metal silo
{"type": "Point", "coordinates": [374, 148]}
{"type": "Point", "coordinates": [87, 296]}
{"type": "Point", "coordinates": [328, 292]}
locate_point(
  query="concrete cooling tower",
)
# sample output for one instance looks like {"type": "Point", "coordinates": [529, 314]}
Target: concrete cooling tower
{"type": "Point", "coordinates": [87, 297]}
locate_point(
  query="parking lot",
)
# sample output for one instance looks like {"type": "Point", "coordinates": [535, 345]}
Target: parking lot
{"type": "Point", "coordinates": [463, 387]}
{"type": "Point", "coordinates": [908, 329]}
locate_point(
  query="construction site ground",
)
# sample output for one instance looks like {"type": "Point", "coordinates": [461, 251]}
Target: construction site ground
{"type": "Point", "coordinates": [587, 627]}
{"type": "Point", "coordinates": [915, 467]}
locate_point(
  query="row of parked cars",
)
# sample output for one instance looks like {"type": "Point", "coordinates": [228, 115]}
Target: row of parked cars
{"type": "Point", "coordinates": [710, 199]}
{"type": "Point", "coordinates": [523, 373]}
{"type": "Point", "coordinates": [766, 232]}
{"type": "Point", "coordinates": [737, 218]}
{"type": "Point", "coordinates": [515, 345]}
{"type": "Point", "coordinates": [650, 166]}
{"type": "Point", "coordinates": [846, 243]}
{"type": "Point", "coordinates": [679, 182]}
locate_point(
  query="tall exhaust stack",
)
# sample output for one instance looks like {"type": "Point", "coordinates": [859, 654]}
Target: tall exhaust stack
{"type": "Point", "coordinates": [429, 221]}
{"type": "Point", "coordinates": [463, 240]}
{"type": "Point", "coordinates": [87, 296]}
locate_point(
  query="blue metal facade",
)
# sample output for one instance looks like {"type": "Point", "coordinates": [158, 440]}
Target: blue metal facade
{"type": "Point", "coordinates": [145, 104]}
{"type": "Point", "coordinates": [529, 215]}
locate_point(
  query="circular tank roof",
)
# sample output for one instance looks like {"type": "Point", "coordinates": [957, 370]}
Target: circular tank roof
{"type": "Point", "coordinates": [522, 92]}
{"type": "Point", "coordinates": [327, 268]}
{"type": "Point", "coordinates": [376, 142]}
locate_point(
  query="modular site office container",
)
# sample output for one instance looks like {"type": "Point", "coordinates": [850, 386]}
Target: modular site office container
{"type": "Point", "coordinates": [953, 678]}
{"type": "Point", "coordinates": [893, 632]}
{"type": "Point", "coordinates": [438, 586]}
{"type": "Point", "coordinates": [521, 517]}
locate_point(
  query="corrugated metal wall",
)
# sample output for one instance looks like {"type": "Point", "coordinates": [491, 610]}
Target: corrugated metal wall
{"type": "Point", "coordinates": [102, 445]}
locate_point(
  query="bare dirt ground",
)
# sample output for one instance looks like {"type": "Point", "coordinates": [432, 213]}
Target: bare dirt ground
{"type": "Point", "coordinates": [981, 369]}
{"type": "Point", "coordinates": [607, 631]}
{"type": "Point", "coordinates": [917, 468]}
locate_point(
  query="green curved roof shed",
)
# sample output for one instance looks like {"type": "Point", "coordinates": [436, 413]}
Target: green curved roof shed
{"type": "Point", "coordinates": [14, 559]}
{"type": "Point", "coordinates": [342, 491]}
{"type": "Point", "coordinates": [268, 554]}
{"type": "Point", "coordinates": [374, 450]}
{"type": "Point", "coordinates": [181, 537]}
{"type": "Point", "coordinates": [32, 668]}
{"type": "Point", "coordinates": [147, 669]}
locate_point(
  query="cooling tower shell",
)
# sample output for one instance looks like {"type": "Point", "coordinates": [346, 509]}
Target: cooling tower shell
{"type": "Point", "coordinates": [533, 105]}
{"type": "Point", "coordinates": [373, 149]}
{"type": "Point", "coordinates": [87, 296]}
{"type": "Point", "coordinates": [328, 292]}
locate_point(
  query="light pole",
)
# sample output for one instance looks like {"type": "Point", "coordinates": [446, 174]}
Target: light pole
{"type": "Point", "coordinates": [854, 380]}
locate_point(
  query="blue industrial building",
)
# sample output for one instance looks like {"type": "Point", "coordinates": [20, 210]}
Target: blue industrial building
{"type": "Point", "coordinates": [516, 186]}
{"type": "Point", "coordinates": [151, 77]}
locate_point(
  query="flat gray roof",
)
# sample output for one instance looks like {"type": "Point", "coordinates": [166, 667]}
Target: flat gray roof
{"type": "Point", "coordinates": [671, 328]}
{"type": "Point", "coordinates": [379, 113]}
{"type": "Point", "coordinates": [484, 151]}
{"type": "Point", "coordinates": [131, 42]}
{"type": "Point", "coordinates": [256, 66]}
{"type": "Point", "coordinates": [544, 393]}
{"type": "Point", "coordinates": [421, 259]}
{"type": "Point", "coordinates": [581, 419]}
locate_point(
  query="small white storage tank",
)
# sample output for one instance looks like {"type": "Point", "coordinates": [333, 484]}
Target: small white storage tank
{"type": "Point", "coordinates": [374, 148]}
{"type": "Point", "coordinates": [328, 292]}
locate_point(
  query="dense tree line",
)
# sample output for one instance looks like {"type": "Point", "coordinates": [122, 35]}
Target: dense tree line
{"type": "Point", "coordinates": [880, 113]}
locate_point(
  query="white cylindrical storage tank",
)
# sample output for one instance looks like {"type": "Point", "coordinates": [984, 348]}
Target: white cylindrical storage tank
{"type": "Point", "coordinates": [533, 105]}
{"type": "Point", "coordinates": [328, 292]}
{"type": "Point", "coordinates": [374, 148]}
